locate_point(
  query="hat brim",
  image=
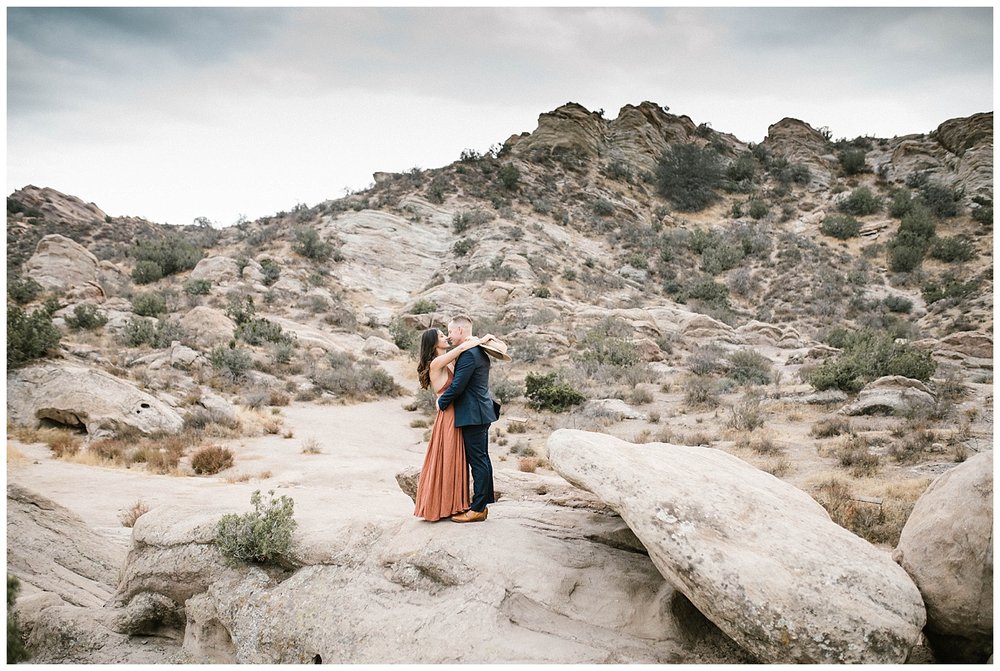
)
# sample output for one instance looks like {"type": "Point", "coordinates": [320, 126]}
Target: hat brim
{"type": "Point", "coordinates": [496, 354]}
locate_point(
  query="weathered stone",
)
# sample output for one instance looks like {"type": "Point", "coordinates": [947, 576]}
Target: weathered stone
{"type": "Point", "coordinates": [216, 269]}
{"type": "Point", "coordinates": [947, 548]}
{"type": "Point", "coordinates": [208, 327]}
{"type": "Point", "coordinates": [379, 347]}
{"type": "Point", "coordinates": [891, 394]}
{"type": "Point", "coordinates": [61, 264]}
{"type": "Point", "coordinates": [612, 408]}
{"type": "Point", "coordinates": [970, 343]}
{"type": "Point", "coordinates": [85, 397]}
{"type": "Point", "coordinates": [148, 614]}
{"type": "Point", "coordinates": [757, 556]}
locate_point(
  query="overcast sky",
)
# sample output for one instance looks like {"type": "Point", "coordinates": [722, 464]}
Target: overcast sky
{"type": "Point", "coordinates": [176, 113]}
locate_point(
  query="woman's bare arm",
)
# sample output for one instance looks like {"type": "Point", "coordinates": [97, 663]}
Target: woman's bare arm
{"type": "Point", "coordinates": [448, 357]}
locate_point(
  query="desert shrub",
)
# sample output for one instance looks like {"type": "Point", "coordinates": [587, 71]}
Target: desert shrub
{"type": "Point", "coordinates": [160, 258]}
{"type": "Point", "coordinates": [542, 292]}
{"type": "Point", "coordinates": [747, 414]}
{"type": "Point", "coordinates": [722, 256]}
{"type": "Point", "coordinates": [948, 287]}
{"type": "Point", "coordinates": [603, 207]}
{"type": "Point", "coordinates": [749, 367]}
{"type": "Point", "coordinates": [271, 271]}
{"type": "Point", "coordinates": [705, 289]}
{"type": "Point", "coordinates": [466, 219]}
{"type": "Point", "coordinates": [405, 337]}
{"type": "Point", "coordinates": [212, 459]}
{"type": "Point", "coordinates": [86, 316]}
{"type": "Point", "coordinates": [951, 249]}
{"type": "Point", "coordinates": [919, 222]}
{"type": "Point", "coordinates": [875, 523]}
{"type": "Point", "coordinates": [23, 290]}
{"type": "Point", "coordinates": [897, 303]}
{"type": "Point", "coordinates": [509, 176]}
{"type": "Point", "coordinates": [861, 202]}
{"type": "Point", "coordinates": [906, 254]}
{"type": "Point", "coordinates": [546, 392]}
{"type": "Point", "coordinates": [258, 331]}
{"type": "Point", "coordinates": [867, 355]}
{"type": "Point", "coordinates": [912, 445]}
{"type": "Point", "coordinates": [758, 209]}
{"type": "Point", "coordinates": [355, 379]}
{"type": "Point", "coordinates": [241, 309]}
{"type": "Point", "coordinates": [689, 176]}
{"type": "Point", "coordinates": [607, 344]}
{"type": "Point", "coordinates": [139, 332]}
{"type": "Point", "coordinates": [29, 336]}
{"type": "Point", "coordinates": [743, 169]}
{"type": "Point", "coordinates": [16, 650]}
{"type": "Point", "coordinates": [423, 306]}
{"type": "Point", "coordinates": [700, 391]}
{"type": "Point", "coordinates": [983, 212]}
{"type": "Point", "coordinates": [310, 245]}
{"type": "Point", "coordinates": [852, 161]}
{"type": "Point", "coordinates": [841, 227]}
{"type": "Point", "coordinates": [197, 287]}
{"type": "Point", "coordinates": [828, 428]}
{"type": "Point", "coordinates": [263, 536]}
{"type": "Point", "coordinates": [231, 361]}
{"type": "Point", "coordinates": [797, 173]}
{"type": "Point", "coordinates": [506, 390]}
{"type": "Point", "coordinates": [855, 456]}
{"type": "Point", "coordinates": [462, 247]}
{"type": "Point", "coordinates": [149, 304]}
{"type": "Point", "coordinates": [901, 202]}
{"type": "Point", "coordinates": [705, 360]}
{"type": "Point", "coordinates": [130, 516]}
{"type": "Point", "coordinates": [940, 200]}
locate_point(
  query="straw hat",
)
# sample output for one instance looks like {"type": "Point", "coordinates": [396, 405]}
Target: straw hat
{"type": "Point", "coordinates": [496, 349]}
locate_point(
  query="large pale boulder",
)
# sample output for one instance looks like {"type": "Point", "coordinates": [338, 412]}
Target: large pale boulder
{"type": "Point", "coordinates": [891, 394]}
{"type": "Point", "coordinates": [62, 264]}
{"type": "Point", "coordinates": [85, 397]}
{"type": "Point", "coordinates": [216, 269]}
{"type": "Point", "coordinates": [207, 326]}
{"type": "Point", "coordinates": [757, 556]}
{"type": "Point", "coordinates": [947, 548]}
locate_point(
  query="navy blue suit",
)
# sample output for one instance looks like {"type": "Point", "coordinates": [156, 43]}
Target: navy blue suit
{"type": "Point", "coordinates": [475, 410]}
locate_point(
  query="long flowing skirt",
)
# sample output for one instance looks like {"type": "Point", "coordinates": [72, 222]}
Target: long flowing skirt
{"type": "Point", "coordinates": [443, 489]}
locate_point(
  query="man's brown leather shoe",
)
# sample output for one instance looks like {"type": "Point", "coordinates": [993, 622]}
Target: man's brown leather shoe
{"type": "Point", "coordinates": [471, 516]}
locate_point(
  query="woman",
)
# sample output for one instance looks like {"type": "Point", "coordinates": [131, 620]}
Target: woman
{"type": "Point", "coordinates": [443, 489]}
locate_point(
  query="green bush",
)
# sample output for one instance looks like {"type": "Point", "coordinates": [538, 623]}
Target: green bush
{"type": "Point", "coordinates": [758, 209]}
{"type": "Point", "coordinates": [170, 255]}
{"type": "Point", "coordinates": [509, 176]}
{"type": "Point", "coordinates": [905, 254]}
{"type": "Point", "coordinates": [86, 316]}
{"type": "Point", "coordinates": [896, 303]}
{"type": "Point", "coordinates": [24, 290]}
{"type": "Point", "coordinates": [869, 355]}
{"type": "Point", "coordinates": [29, 336]}
{"type": "Point", "coordinates": [466, 219]}
{"type": "Point", "coordinates": [16, 652]}
{"type": "Point", "coordinates": [505, 390]}
{"type": "Point", "coordinates": [852, 161]}
{"type": "Point", "coordinates": [861, 202]}
{"type": "Point", "coordinates": [271, 271]}
{"type": "Point", "coordinates": [149, 304]}
{"type": "Point", "coordinates": [689, 176]}
{"type": "Point", "coordinates": [462, 247]}
{"type": "Point", "coordinates": [749, 367]}
{"type": "Point", "coordinates": [940, 200]}
{"type": "Point", "coordinates": [840, 226]}
{"type": "Point", "coordinates": [241, 309]}
{"type": "Point", "coordinates": [952, 249]}
{"type": "Point", "coordinates": [423, 307]}
{"type": "Point", "coordinates": [743, 169]}
{"type": "Point", "coordinates": [231, 361]}
{"type": "Point", "coordinates": [542, 292]}
{"type": "Point", "coordinates": [603, 207]}
{"type": "Point", "coordinates": [949, 287]}
{"type": "Point", "coordinates": [146, 272]}
{"type": "Point", "coordinates": [404, 336]}
{"type": "Point", "coordinates": [918, 222]}
{"type": "Point", "coordinates": [350, 378]}
{"type": "Point", "coordinates": [706, 290]}
{"type": "Point", "coordinates": [983, 212]}
{"type": "Point", "coordinates": [258, 331]}
{"type": "Point", "coordinates": [546, 392]}
{"type": "Point", "coordinates": [263, 536]}
{"type": "Point", "coordinates": [901, 203]}
{"type": "Point", "coordinates": [310, 245]}
{"type": "Point", "coordinates": [197, 287]}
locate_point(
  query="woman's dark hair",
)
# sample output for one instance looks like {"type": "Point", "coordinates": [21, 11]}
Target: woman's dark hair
{"type": "Point", "coordinates": [428, 348]}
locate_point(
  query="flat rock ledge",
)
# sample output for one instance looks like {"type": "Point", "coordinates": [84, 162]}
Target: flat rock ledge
{"type": "Point", "coordinates": [760, 558]}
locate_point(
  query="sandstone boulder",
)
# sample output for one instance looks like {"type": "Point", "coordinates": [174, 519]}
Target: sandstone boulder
{"type": "Point", "coordinates": [207, 326]}
{"type": "Point", "coordinates": [85, 397]}
{"type": "Point", "coordinates": [757, 556]}
{"type": "Point", "coordinates": [970, 343]}
{"type": "Point", "coordinates": [892, 394]}
{"type": "Point", "coordinates": [64, 265]}
{"type": "Point", "coordinates": [612, 408]}
{"type": "Point", "coordinates": [216, 269]}
{"type": "Point", "coordinates": [947, 548]}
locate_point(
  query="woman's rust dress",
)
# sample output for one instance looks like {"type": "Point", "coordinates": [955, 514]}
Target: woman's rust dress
{"type": "Point", "coordinates": [443, 489]}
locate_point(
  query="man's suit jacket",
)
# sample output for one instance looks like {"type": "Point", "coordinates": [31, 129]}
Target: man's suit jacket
{"type": "Point", "coordinates": [470, 390]}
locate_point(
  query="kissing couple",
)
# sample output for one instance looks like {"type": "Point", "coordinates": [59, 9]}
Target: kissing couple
{"type": "Point", "coordinates": [460, 378]}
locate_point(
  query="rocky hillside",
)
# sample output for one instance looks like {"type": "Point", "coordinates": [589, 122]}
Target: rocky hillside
{"type": "Point", "coordinates": [821, 309]}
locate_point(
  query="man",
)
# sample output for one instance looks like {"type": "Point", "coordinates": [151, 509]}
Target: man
{"type": "Point", "coordinates": [475, 410]}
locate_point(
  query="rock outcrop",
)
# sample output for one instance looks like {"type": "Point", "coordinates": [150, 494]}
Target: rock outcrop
{"type": "Point", "coordinates": [757, 556]}
{"type": "Point", "coordinates": [891, 394]}
{"type": "Point", "coordinates": [85, 398]}
{"type": "Point", "coordinates": [947, 548]}
{"type": "Point", "coordinates": [207, 326]}
{"type": "Point", "coordinates": [63, 265]}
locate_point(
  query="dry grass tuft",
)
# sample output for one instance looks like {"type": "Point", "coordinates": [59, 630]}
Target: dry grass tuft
{"type": "Point", "coordinates": [876, 522]}
{"type": "Point", "coordinates": [311, 446]}
{"type": "Point", "coordinates": [855, 456]}
{"type": "Point", "coordinates": [15, 456]}
{"type": "Point", "coordinates": [212, 459]}
{"type": "Point", "coordinates": [527, 464]}
{"type": "Point", "coordinates": [129, 516]}
{"type": "Point", "coordinates": [247, 477]}
{"type": "Point", "coordinates": [778, 466]}
{"type": "Point", "coordinates": [828, 428]}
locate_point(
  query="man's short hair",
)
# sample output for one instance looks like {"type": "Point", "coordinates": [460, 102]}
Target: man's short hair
{"type": "Point", "coordinates": [462, 320]}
